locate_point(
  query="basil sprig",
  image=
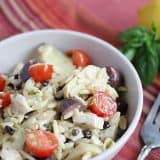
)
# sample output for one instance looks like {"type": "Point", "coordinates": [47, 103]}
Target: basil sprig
{"type": "Point", "coordinates": [142, 47]}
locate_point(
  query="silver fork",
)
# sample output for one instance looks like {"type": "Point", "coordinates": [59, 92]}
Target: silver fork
{"type": "Point", "coordinates": [150, 132]}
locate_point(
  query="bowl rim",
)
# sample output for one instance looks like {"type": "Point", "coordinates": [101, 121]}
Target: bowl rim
{"type": "Point", "coordinates": [123, 139]}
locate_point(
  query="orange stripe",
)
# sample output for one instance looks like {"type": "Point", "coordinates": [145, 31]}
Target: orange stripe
{"type": "Point", "coordinates": [43, 13]}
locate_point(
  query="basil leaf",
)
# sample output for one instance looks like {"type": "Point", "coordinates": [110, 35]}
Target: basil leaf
{"type": "Point", "coordinates": [158, 51]}
{"type": "Point", "coordinates": [142, 47]}
{"type": "Point", "coordinates": [154, 35]}
{"type": "Point", "coordinates": [136, 42]}
{"type": "Point", "coordinates": [129, 53]}
{"type": "Point", "coordinates": [146, 63]}
{"type": "Point", "coordinates": [132, 33]}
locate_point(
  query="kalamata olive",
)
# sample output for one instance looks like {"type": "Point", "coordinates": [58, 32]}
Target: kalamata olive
{"type": "Point", "coordinates": [69, 104]}
{"type": "Point", "coordinates": [122, 106]}
{"type": "Point", "coordinates": [24, 72]}
{"type": "Point", "coordinates": [114, 76]}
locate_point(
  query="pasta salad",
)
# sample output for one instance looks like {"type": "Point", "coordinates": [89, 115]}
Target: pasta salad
{"type": "Point", "coordinates": [60, 107]}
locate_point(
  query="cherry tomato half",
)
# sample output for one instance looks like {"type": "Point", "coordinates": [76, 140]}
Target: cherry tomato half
{"type": "Point", "coordinates": [79, 57]}
{"type": "Point", "coordinates": [103, 105]}
{"type": "Point", "coordinates": [41, 143]}
{"type": "Point", "coordinates": [40, 72]}
{"type": "Point", "coordinates": [2, 83]}
{"type": "Point", "coordinates": [5, 99]}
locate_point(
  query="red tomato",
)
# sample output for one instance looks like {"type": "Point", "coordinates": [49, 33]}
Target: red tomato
{"type": "Point", "coordinates": [2, 83]}
{"type": "Point", "coordinates": [103, 105]}
{"type": "Point", "coordinates": [41, 143]}
{"type": "Point", "coordinates": [79, 58]}
{"type": "Point", "coordinates": [41, 72]}
{"type": "Point", "coordinates": [5, 99]}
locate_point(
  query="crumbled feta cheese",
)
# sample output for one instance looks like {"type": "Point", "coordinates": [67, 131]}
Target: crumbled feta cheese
{"type": "Point", "coordinates": [90, 119]}
{"type": "Point", "coordinates": [9, 153]}
{"type": "Point", "coordinates": [89, 80]}
{"type": "Point", "coordinates": [51, 55]}
{"type": "Point", "coordinates": [20, 105]}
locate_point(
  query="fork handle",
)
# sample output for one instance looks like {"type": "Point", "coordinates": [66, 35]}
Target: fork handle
{"type": "Point", "coordinates": [144, 152]}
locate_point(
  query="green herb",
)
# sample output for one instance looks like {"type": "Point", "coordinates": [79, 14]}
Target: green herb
{"type": "Point", "coordinates": [33, 92]}
{"type": "Point", "coordinates": [142, 47]}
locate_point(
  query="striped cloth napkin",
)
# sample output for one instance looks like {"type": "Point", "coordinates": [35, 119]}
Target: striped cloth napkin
{"type": "Point", "coordinates": [18, 16]}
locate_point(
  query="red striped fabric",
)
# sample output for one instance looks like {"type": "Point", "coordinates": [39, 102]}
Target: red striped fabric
{"type": "Point", "coordinates": [31, 16]}
{"type": "Point", "coordinates": [19, 16]}
{"type": "Point", "coordinates": [6, 29]}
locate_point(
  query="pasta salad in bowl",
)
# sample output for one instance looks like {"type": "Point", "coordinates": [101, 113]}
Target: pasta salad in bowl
{"type": "Point", "coordinates": [59, 105]}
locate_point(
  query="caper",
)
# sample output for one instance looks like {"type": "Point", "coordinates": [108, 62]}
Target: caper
{"type": "Point", "coordinates": [75, 132]}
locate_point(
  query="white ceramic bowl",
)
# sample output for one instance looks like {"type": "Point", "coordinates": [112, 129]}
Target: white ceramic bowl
{"type": "Point", "coordinates": [19, 48]}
